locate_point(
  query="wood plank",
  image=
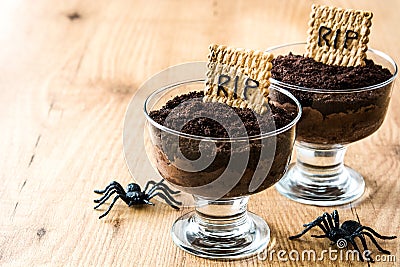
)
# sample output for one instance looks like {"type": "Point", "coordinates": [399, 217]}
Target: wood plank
{"type": "Point", "coordinates": [68, 72]}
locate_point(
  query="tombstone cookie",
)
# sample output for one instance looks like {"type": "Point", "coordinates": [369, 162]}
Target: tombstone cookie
{"type": "Point", "coordinates": [238, 77]}
{"type": "Point", "coordinates": [338, 36]}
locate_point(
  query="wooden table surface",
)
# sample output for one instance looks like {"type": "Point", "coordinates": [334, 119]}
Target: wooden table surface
{"type": "Point", "coordinates": [68, 72]}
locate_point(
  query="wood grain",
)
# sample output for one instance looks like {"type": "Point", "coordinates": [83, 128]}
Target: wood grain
{"type": "Point", "coordinates": [68, 72]}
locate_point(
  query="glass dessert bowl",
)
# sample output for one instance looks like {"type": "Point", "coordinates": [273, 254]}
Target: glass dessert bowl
{"type": "Point", "coordinates": [331, 120]}
{"type": "Point", "coordinates": [220, 172]}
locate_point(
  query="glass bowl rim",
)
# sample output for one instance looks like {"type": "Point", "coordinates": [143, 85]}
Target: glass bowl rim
{"type": "Point", "coordinates": [220, 139]}
{"type": "Point", "coordinates": [330, 91]}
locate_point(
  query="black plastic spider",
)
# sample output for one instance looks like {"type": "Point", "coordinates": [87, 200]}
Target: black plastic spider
{"type": "Point", "coordinates": [349, 230]}
{"type": "Point", "coordinates": [135, 196]}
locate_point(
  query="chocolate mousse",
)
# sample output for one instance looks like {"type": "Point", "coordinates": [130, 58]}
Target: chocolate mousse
{"type": "Point", "coordinates": [333, 114]}
{"type": "Point", "coordinates": [195, 119]}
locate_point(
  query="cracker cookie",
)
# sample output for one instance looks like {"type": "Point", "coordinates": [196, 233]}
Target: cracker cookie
{"type": "Point", "coordinates": [238, 77]}
{"type": "Point", "coordinates": [338, 36]}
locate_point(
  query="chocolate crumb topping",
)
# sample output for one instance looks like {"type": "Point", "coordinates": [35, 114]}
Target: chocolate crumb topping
{"type": "Point", "coordinates": [207, 116]}
{"type": "Point", "coordinates": [306, 72]}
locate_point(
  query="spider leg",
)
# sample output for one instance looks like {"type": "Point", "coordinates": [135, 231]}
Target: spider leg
{"type": "Point", "coordinates": [376, 243]}
{"type": "Point", "coordinates": [119, 186]}
{"type": "Point", "coordinates": [335, 216]}
{"type": "Point", "coordinates": [167, 195]}
{"type": "Point", "coordinates": [106, 195]}
{"type": "Point", "coordinates": [351, 240]}
{"type": "Point", "coordinates": [158, 185]}
{"type": "Point", "coordinates": [324, 221]}
{"type": "Point", "coordinates": [148, 184]}
{"type": "Point", "coordinates": [104, 198]}
{"type": "Point", "coordinates": [169, 189]}
{"type": "Point", "coordinates": [112, 184]}
{"type": "Point", "coordinates": [166, 199]}
{"type": "Point", "coordinates": [364, 243]}
{"type": "Point", "coordinates": [316, 222]}
{"type": "Point", "coordinates": [323, 228]}
{"type": "Point", "coordinates": [375, 233]}
{"type": "Point", "coordinates": [118, 190]}
{"type": "Point", "coordinates": [328, 217]}
{"type": "Point", "coordinates": [110, 207]}
{"type": "Point", "coordinates": [154, 184]}
{"type": "Point", "coordinates": [105, 192]}
{"type": "Point", "coordinates": [165, 189]}
{"type": "Point", "coordinates": [319, 236]}
{"type": "Point", "coordinates": [101, 191]}
{"type": "Point", "coordinates": [148, 202]}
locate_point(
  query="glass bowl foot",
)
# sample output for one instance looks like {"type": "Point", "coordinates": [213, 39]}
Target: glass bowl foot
{"type": "Point", "coordinates": [229, 237]}
{"type": "Point", "coordinates": [346, 187]}
{"type": "Point", "coordinates": [319, 177]}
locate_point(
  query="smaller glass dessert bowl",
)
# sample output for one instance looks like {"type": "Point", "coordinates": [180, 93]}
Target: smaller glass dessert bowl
{"type": "Point", "coordinates": [220, 173]}
{"type": "Point", "coordinates": [331, 120]}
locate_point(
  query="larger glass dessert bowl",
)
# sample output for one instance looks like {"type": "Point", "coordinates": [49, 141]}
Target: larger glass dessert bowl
{"type": "Point", "coordinates": [331, 120]}
{"type": "Point", "coordinates": [220, 172]}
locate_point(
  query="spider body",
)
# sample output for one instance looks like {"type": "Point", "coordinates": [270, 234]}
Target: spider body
{"type": "Point", "coordinates": [348, 231]}
{"type": "Point", "coordinates": [135, 196]}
